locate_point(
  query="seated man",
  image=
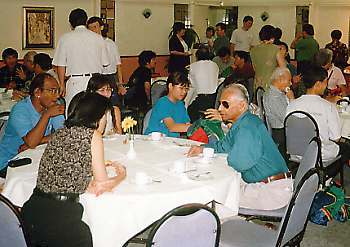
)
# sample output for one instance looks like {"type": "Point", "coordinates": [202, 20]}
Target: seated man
{"type": "Point", "coordinates": [324, 112]}
{"type": "Point", "coordinates": [9, 74]}
{"type": "Point", "coordinates": [251, 151]}
{"type": "Point", "coordinates": [224, 61]}
{"type": "Point", "coordinates": [169, 115]}
{"type": "Point", "coordinates": [204, 79]}
{"type": "Point", "coordinates": [276, 100]}
{"type": "Point", "coordinates": [33, 119]}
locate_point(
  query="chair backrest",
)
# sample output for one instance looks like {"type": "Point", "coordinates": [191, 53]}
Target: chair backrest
{"type": "Point", "coordinates": [158, 90]}
{"type": "Point", "coordinates": [190, 225]}
{"type": "Point", "coordinates": [218, 94]}
{"type": "Point", "coordinates": [3, 123]}
{"type": "Point", "coordinates": [310, 159]}
{"type": "Point", "coordinates": [11, 226]}
{"type": "Point", "coordinates": [259, 93]}
{"type": "Point", "coordinates": [343, 100]}
{"type": "Point", "coordinates": [300, 128]}
{"type": "Point", "coordinates": [146, 121]}
{"type": "Point", "coordinates": [294, 221]}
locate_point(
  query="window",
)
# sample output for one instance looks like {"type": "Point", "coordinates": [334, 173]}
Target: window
{"type": "Point", "coordinates": [108, 16]}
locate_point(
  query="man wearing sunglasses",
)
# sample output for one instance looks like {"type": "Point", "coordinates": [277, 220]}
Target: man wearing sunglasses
{"type": "Point", "coordinates": [266, 182]}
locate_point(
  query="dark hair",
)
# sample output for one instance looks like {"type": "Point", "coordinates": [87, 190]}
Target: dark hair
{"type": "Point", "coordinates": [94, 19]}
{"type": "Point", "coordinates": [243, 54]}
{"type": "Point", "coordinates": [104, 31]}
{"type": "Point", "coordinates": [248, 18]}
{"type": "Point", "coordinates": [336, 34]}
{"type": "Point", "coordinates": [203, 53]}
{"type": "Point", "coordinates": [211, 29]}
{"type": "Point", "coordinates": [97, 81]}
{"type": "Point", "coordinates": [221, 25]}
{"type": "Point", "coordinates": [277, 33]}
{"type": "Point", "coordinates": [223, 51]}
{"type": "Point", "coordinates": [312, 75]}
{"type": "Point", "coordinates": [178, 78]}
{"type": "Point", "coordinates": [9, 52]}
{"type": "Point", "coordinates": [177, 27]}
{"type": "Point", "coordinates": [38, 82]}
{"type": "Point", "coordinates": [43, 60]}
{"type": "Point", "coordinates": [77, 17]}
{"type": "Point", "coordinates": [323, 57]}
{"type": "Point", "coordinates": [145, 57]}
{"type": "Point", "coordinates": [266, 32]}
{"type": "Point", "coordinates": [86, 109]}
{"type": "Point", "coordinates": [309, 29]}
{"type": "Point", "coordinates": [286, 46]}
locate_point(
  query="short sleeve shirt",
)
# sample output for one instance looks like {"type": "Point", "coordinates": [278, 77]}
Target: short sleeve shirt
{"type": "Point", "coordinates": [114, 57]}
{"type": "Point", "coordinates": [165, 108]}
{"type": "Point", "coordinates": [336, 79]}
{"type": "Point", "coordinates": [242, 39]}
{"type": "Point", "coordinates": [23, 118]}
{"type": "Point", "coordinates": [306, 49]}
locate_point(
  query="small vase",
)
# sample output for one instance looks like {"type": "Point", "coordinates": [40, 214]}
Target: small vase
{"type": "Point", "coordinates": [131, 153]}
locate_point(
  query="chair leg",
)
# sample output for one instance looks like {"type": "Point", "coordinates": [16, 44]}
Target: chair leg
{"type": "Point", "coordinates": [341, 175]}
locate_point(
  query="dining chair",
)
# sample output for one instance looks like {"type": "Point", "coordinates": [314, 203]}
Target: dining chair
{"type": "Point", "coordinates": [300, 128]}
{"type": "Point", "coordinates": [3, 122]}
{"type": "Point", "coordinates": [259, 94]}
{"type": "Point", "coordinates": [309, 161]}
{"type": "Point", "coordinates": [158, 89]}
{"type": "Point", "coordinates": [238, 232]}
{"type": "Point", "coordinates": [190, 225]}
{"type": "Point", "coordinates": [12, 232]}
{"type": "Point", "coordinates": [146, 121]}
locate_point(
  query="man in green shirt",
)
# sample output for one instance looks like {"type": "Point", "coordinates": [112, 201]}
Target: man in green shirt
{"type": "Point", "coordinates": [221, 39]}
{"type": "Point", "coordinates": [251, 151]}
{"type": "Point", "coordinates": [305, 46]}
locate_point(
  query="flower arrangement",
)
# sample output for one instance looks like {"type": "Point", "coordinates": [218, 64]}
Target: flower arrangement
{"type": "Point", "coordinates": [128, 124]}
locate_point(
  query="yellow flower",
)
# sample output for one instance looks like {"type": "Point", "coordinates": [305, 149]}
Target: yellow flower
{"type": "Point", "coordinates": [128, 123]}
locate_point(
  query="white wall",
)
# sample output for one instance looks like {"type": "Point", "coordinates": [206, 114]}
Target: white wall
{"type": "Point", "coordinates": [134, 33]}
{"type": "Point", "coordinates": [200, 19]}
{"type": "Point", "coordinates": [11, 14]}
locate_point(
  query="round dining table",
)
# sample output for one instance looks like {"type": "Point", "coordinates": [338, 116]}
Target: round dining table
{"type": "Point", "coordinates": [114, 217]}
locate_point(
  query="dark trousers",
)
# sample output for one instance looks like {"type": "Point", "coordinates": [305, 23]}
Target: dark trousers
{"type": "Point", "coordinates": [201, 103]}
{"type": "Point", "coordinates": [344, 149]}
{"type": "Point", "coordinates": [55, 223]}
{"type": "Point", "coordinates": [278, 135]}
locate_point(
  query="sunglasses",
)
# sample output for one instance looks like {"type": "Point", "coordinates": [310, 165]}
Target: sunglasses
{"type": "Point", "coordinates": [225, 104]}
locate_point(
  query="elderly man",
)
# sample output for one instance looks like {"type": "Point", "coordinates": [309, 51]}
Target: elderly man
{"type": "Point", "coordinates": [266, 181]}
{"type": "Point", "coordinates": [276, 100]}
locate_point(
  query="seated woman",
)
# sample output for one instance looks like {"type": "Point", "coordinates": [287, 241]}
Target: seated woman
{"type": "Point", "coordinates": [102, 85]}
{"type": "Point", "coordinates": [33, 119]}
{"type": "Point", "coordinates": [72, 163]}
{"type": "Point", "coordinates": [169, 115]}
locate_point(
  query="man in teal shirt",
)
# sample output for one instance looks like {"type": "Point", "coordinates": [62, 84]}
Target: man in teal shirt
{"type": "Point", "coordinates": [251, 151]}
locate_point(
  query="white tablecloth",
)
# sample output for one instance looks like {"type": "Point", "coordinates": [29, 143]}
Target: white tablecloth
{"type": "Point", "coordinates": [115, 217]}
{"type": "Point", "coordinates": [345, 124]}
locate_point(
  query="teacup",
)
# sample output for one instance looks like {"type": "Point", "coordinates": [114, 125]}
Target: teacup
{"type": "Point", "coordinates": [208, 153]}
{"type": "Point", "coordinates": [142, 178]}
{"type": "Point", "coordinates": [156, 136]}
{"type": "Point", "coordinates": [179, 166]}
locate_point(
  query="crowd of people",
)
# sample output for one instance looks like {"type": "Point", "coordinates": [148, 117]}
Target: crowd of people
{"type": "Point", "coordinates": [73, 100]}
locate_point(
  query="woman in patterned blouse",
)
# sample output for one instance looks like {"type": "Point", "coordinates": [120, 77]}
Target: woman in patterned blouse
{"type": "Point", "coordinates": [72, 163]}
{"type": "Point", "coordinates": [339, 49]}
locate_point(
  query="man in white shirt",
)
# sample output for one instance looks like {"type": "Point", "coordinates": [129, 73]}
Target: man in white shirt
{"type": "Point", "coordinates": [242, 38]}
{"type": "Point", "coordinates": [324, 112]}
{"type": "Point", "coordinates": [79, 54]}
{"type": "Point", "coordinates": [204, 79]}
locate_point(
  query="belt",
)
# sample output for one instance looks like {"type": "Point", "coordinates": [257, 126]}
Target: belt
{"type": "Point", "coordinates": [277, 177]}
{"type": "Point", "coordinates": [82, 75]}
{"type": "Point", "coordinates": [65, 197]}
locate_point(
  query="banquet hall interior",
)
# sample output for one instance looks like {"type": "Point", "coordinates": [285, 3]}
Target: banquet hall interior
{"type": "Point", "coordinates": [146, 25]}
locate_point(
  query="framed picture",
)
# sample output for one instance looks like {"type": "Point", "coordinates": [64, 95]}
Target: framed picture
{"type": "Point", "coordinates": [38, 27]}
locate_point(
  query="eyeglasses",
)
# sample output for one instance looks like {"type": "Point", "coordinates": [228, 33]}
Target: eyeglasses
{"type": "Point", "coordinates": [225, 104]}
{"type": "Point", "coordinates": [52, 91]}
{"type": "Point", "coordinates": [183, 88]}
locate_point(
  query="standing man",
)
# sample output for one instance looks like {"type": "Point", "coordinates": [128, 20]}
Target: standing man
{"type": "Point", "coordinates": [242, 39]}
{"type": "Point", "coordinates": [79, 54]}
{"type": "Point", "coordinates": [221, 39]}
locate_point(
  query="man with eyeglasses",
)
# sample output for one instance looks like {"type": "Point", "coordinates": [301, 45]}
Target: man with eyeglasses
{"type": "Point", "coordinates": [266, 183]}
{"type": "Point", "coordinates": [32, 120]}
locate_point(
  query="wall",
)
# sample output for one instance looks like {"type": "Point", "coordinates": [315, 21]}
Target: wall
{"type": "Point", "coordinates": [11, 14]}
{"type": "Point", "coordinates": [199, 20]}
{"type": "Point", "coordinates": [135, 33]}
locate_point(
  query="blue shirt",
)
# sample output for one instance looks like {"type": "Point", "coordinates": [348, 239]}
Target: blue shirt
{"type": "Point", "coordinates": [165, 108]}
{"type": "Point", "coordinates": [23, 118]}
{"type": "Point", "coordinates": [251, 149]}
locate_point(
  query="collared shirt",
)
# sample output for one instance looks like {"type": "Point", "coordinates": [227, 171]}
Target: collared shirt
{"type": "Point", "coordinates": [81, 51]}
{"type": "Point", "coordinates": [275, 105]}
{"type": "Point", "coordinates": [204, 76]}
{"type": "Point", "coordinates": [7, 76]}
{"type": "Point", "coordinates": [340, 53]}
{"type": "Point", "coordinates": [251, 149]}
{"type": "Point", "coordinates": [219, 43]}
{"type": "Point", "coordinates": [242, 39]}
{"type": "Point", "coordinates": [326, 117]}
{"type": "Point", "coordinates": [306, 49]}
{"type": "Point", "coordinates": [336, 79]}
{"type": "Point", "coordinates": [114, 57]}
{"type": "Point", "coordinates": [23, 118]}
{"type": "Point", "coordinates": [223, 66]}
